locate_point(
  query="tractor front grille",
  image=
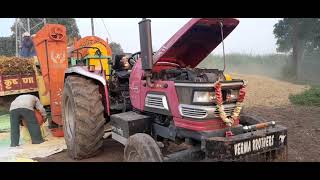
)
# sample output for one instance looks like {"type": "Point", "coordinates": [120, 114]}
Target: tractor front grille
{"type": "Point", "coordinates": [156, 101]}
{"type": "Point", "coordinates": [228, 109]}
{"type": "Point", "coordinates": [201, 112]}
{"type": "Point", "coordinates": [193, 112]}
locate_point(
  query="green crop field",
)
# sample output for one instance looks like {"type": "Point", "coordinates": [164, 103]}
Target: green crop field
{"type": "Point", "coordinates": [309, 97]}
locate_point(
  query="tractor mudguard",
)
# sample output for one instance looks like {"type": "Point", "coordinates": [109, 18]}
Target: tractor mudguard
{"type": "Point", "coordinates": [81, 71]}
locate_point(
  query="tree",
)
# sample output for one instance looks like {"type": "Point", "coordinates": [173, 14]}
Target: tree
{"type": "Point", "coordinates": [8, 49]}
{"type": "Point", "coordinates": [116, 48]}
{"type": "Point", "coordinates": [298, 36]}
{"type": "Point", "coordinates": [7, 46]}
{"type": "Point", "coordinates": [69, 23]}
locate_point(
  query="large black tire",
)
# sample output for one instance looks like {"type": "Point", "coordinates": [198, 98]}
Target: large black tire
{"type": "Point", "coordinates": [82, 113]}
{"type": "Point", "coordinates": [141, 147]}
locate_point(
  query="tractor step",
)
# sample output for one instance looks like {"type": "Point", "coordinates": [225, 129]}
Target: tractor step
{"type": "Point", "coordinates": [127, 124]}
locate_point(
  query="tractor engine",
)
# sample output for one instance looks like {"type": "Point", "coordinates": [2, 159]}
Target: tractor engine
{"type": "Point", "coordinates": [191, 75]}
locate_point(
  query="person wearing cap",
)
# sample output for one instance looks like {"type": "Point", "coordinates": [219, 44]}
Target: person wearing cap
{"type": "Point", "coordinates": [23, 108]}
{"type": "Point", "coordinates": [33, 50]}
{"type": "Point", "coordinates": [27, 45]}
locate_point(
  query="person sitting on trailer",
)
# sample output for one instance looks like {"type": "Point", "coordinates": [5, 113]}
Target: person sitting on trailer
{"type": "Point", "coordinates": [27, 46]}
{"type": "Point", "coordinates": [23, 108]}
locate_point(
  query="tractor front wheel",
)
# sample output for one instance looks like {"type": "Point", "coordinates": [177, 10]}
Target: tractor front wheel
{"type": "Point", "coordinates": [141, 147]}
{"type": "Point", "coordinates": [82, 114]}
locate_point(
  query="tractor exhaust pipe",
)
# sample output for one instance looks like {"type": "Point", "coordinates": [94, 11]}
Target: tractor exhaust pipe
{"type": "Point", "coordinates": [146, 49]}
{"type": "Point", "coordinates": [146, 43]}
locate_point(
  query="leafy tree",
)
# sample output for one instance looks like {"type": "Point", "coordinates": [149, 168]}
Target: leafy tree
{"type": "Point", "coordinates": [116, 48]}
{"type": "Point", "coordinates": [35, 23]}
{"type": "Point", "coordinates": [7, 44]}
{"type": "Point", "coordinates": [298, 36]}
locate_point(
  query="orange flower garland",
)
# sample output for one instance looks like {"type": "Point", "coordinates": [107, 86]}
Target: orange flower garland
{"type": "Point", "coordinates": [236, 113]}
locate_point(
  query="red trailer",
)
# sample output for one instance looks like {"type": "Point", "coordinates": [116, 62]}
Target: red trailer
{"type": "Point", "coordinates": [18, 84]}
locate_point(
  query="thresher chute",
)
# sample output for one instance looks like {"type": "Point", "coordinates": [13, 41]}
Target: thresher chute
{"type": "Point", "coordinates": [50, 43]}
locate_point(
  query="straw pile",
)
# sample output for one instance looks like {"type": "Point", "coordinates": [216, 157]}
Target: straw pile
{"type": "Point", "coordinates": [15, 65]}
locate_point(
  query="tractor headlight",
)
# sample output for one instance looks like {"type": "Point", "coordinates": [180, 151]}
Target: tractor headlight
{"type": "Point", "coordinates": [203, 97]}
{"type": "Point", "coordinates": [233, 94]}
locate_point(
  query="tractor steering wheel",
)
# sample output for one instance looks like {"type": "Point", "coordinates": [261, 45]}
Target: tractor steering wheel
{"type": "Point", "coordinates": [134, 57]}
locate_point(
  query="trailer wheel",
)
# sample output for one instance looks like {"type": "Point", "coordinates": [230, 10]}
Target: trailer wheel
{"type": "Point", "coordinates": [141, 147]}
{"type": "Point", "coordinates": [82, 113]}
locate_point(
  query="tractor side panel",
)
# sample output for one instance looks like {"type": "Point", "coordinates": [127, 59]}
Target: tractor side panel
{"type": "Point", "coordinates": [169, 92]}
{"type": "Point", "coordinates": [139, 91]}
{"type": "Point", "coordinates": [135, 86]}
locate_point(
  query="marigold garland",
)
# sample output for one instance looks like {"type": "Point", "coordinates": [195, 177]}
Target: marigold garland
{"type": "Point", "coordinates": [236, 113]}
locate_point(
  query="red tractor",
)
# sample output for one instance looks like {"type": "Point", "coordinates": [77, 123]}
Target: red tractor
{"type": "Point", "coordinates": [165, 108]}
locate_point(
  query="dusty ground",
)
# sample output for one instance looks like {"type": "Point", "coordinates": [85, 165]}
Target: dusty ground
{"type": "Point", "coordinates": [268, 99]}
{"type": "Point", "coordinates": [112, 152]}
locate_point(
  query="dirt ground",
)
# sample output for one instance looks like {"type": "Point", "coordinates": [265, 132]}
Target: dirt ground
{"type": "Point", "coordinates": [112, 152]}
{"type": "Point", "coordinates": [266, 98]}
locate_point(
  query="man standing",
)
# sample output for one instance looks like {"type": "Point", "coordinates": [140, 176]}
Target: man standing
{"type": "Point", "coordinates": [27, 46]}
{"type": "Point", "coordinates": [23, 108]}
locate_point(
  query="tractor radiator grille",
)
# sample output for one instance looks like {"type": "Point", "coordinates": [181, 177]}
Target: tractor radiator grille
{"type": "Point", "coordinates": [156, 101]}
{"type": "Point", "coordinates": [228, 109]}
{"type": "Point", "coordinates": [193, 113]}
{"type": "Point", "coordinates": [201, 112]}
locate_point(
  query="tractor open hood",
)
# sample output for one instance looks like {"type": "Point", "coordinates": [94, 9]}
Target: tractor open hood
{"type": "Point", "coordinates": [194, 41]}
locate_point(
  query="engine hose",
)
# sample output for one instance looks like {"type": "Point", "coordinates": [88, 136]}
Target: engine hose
{"type": "Point", "coordinates": [148, 80]}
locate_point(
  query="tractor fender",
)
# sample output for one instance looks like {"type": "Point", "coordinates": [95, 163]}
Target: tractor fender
{"type": "Point", "coordinates": [85, 73]}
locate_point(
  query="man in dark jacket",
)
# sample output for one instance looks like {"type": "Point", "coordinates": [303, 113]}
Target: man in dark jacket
{"type": "Point", "coordinates": [27, 46]}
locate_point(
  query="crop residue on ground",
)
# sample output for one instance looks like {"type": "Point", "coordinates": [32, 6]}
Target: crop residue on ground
{"type": "Point", "coordinates": [265, 91]}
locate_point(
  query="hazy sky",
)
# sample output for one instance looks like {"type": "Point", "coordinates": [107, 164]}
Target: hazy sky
{"type": "Point", "coordinates": [253, 35]}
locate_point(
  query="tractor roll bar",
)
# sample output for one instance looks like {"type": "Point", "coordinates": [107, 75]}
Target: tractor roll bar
{"type": "Point", "coordinates": [88, 47]}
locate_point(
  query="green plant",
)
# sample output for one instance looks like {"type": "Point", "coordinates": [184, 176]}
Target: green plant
{"type": "Point", "coordinates": [309, 97]}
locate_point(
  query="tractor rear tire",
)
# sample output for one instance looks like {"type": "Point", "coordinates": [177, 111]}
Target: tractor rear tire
{"type": "Point", "coordinates": [83, 116]}
{"type": "Point", "coordinates": [141, 147]}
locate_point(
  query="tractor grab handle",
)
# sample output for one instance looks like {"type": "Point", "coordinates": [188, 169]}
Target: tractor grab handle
{"type": "Point", "coordinates": [259, 126]}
